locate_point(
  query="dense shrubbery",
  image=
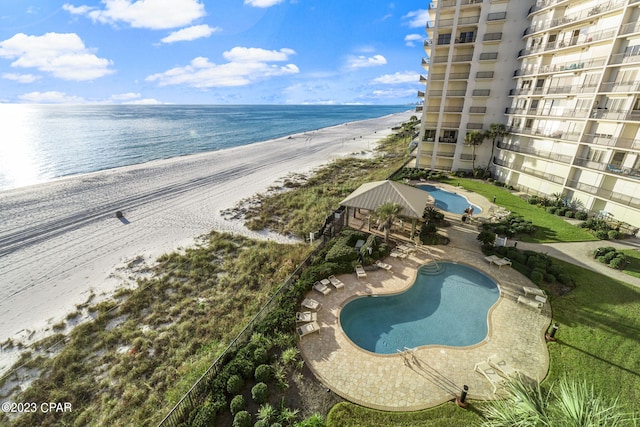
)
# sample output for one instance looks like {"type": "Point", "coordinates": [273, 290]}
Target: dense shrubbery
{"type": "Point", "coordinates": [512, 226]}
{"type": "Point", "coordinates": [429, 230]}
{"type": "Point", "coordinates": [611, 257]}
{"type": "Point", "coordinates": [417, 173]}
{"type": "Point", "coordinates": [602, 229]}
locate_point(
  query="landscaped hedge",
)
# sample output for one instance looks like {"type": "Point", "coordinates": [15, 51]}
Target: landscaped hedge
{"type": "Point", "coordinates": [512, 226]}
{"type": "Point", "coordinates": [611, 257]}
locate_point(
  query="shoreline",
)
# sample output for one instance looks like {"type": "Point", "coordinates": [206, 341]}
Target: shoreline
{"type": "Point", "coordinates": [62, 243]}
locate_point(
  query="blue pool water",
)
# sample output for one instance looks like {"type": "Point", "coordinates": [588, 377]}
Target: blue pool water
{"type": "Point", "coordinates": [445, 308]}
{"type": "Point", "coordinates": [448, 201]}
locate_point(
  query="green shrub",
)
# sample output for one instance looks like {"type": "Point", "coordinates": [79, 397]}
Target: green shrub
{"type": "Point", "coordinates": [581, 215]}
{"type": "Point", "coordinates": [237, 404]}
{"type": "Point", "coordinates": [570, 214]}
{"type": "Point", "coordinates": [536, 277]}
{"type": "Point", "coordinates": [261, 423]}
{"type": "Point", "coordinates": [613, 234]}
{"type": "Point", "coordinates": [561, 211]}
{"type": "Point", "coordinates": [609, 256]}
{"type": "Point", "coordinates": [533, 200]}
{"type": "Point", "coordinates": [619, 263]}
{"type": "Point", "coordinates": [263, 373]}
{"type": "Point", "coordinates": [488, 238]}
{"type": "Point", "coordinates": [260, 393]}
{"type": "Point", "coordinates": [549, 278]}
{"type": "Point", "coordinates": [242, 419]}
{"type": "Point", "coordinates": [341, 252]}
{"type": "Point", "coordinates": [552, 209]}
{"type": "Point", "coordinates": [602, 234]}
{"type": "Point", "coordinates": [260, 355]}
{"type": "Point", "coordinates": [564, 278]}
{"type": "Point", "coordinates": [234, 384]}
{"type": "Point", "coordinates": [205, 416]}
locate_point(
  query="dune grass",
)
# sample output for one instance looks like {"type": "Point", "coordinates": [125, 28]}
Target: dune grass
{"type": "Point", "coordinates": [551, 228]}
{"type": "Point", "coordinates": [599, 326]}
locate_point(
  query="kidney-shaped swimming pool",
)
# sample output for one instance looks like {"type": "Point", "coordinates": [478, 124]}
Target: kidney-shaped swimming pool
{"type": "Point", "coordinates": [447, 305]}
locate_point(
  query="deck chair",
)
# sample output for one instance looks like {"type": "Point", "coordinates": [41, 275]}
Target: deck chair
{"type": "Point", "coordinates": [502, 262]}
{"type": "Point", "coordinates": [335, 282]}
{"type": "Point", "coordinates": [530, 303]}
{"type": "Point", "coordinates": [490, 374]}
{"type": "Point", "coordinates": [311, 304]}
{"type": "Point", "coordinates": [360, 272]}
{"type": "Point", "coordinates": [502, 366]}
{"type": "Point", "coordinates": [398, 254]}
{"type": "Point", "coordinates": [321, 287]}
{"type": "Point", "coordinates": [490, 259]}
{"type": "Point", "coordinates": [383, 265]}
{"type": "Point", "coordinates": [533, 291]}
{"type": "Point", "coordinates": [306, 316]}
{"type": "Point", "coordinates": [307, 328]}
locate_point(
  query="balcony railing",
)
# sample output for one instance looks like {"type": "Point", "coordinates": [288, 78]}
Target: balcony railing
{"type": "Point", "coordinates": [632, 27]}
{"type": "Point", "coordinates": [620, 87]}
{"type": "Point", "coordinates": [544, 175]}
{"type": "Point", "coordinates": [558, 134]}
{"type": "Point", "coordinates": [575, 17]}
{"type": "Point", "coordinates": [610, 141]}
{"type": "Point", "coordinates": [538, 153]}
{"type": "Point", "coordinates": [564, 66]}
{"type": "Point", "coordinates": [447, 155]}
{"type": "Point", "coordinates": [452, 76]}
{"type": "Point", "coordinates": [467, 157]}
{"type": "Point", "coordinates": [624, 58]}
{"type": "Point", "coordinates": [474, 126]}
{"type": "Point", "coordinates": [447, 140]}
{"type": "Point", "coordinates": [477, 110]}
{"type": "Point", "coordinates": [492, 37]}
{"type": "Point", "coordinates": [603, 113]}
{"type": "Point", "coordinates": [541, 4]}
{"type": "Point", "coordinates": [484, 75]}
{"type": "Point", "coordinates": [450, 125]}
{"type": "Point", "coordinates": [623, 199]}
{"type": "Point", "coordinates": [454, 3]}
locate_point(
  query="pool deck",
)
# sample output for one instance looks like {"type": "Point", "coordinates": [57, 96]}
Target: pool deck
{"type": "Point", "coordinates": [433, 374]}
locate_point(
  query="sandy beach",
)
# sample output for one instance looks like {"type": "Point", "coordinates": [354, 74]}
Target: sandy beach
{"type": "Point", "coordinates": [60, 242]}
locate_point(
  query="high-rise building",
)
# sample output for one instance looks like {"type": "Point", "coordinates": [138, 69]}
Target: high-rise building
{"type": "Point", "coordinates": [563, 76]}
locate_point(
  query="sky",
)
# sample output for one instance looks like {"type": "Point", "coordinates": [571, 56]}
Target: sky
{"type": "Point", "coordinates": [211, 51]}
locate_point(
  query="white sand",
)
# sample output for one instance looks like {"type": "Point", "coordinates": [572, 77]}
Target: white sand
{"type": "Point", "coordinates": [61, 241]}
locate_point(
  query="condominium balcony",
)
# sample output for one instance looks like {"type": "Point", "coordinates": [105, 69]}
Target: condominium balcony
{"type": "Point", "coordinates": [446, 154]}
{"type": "Point", "coordinates": [625, 114]}
{"type": "Point", "coordinates": [577, 17]}
{"type": "Point", "coordinates": [542, 4]}
{"type": "Point", "coordinates": [445, 140]}
{"type": "Point", "coordinates": [476, 126]}
{"type": "Point", "coordinates": [573, 41]}
{"type": "Point", "coordinates": [446, 109]}
{"type": "Point", "coordinates": [420, 94]}
{"type": "Point", "coordinates": [610, 141]}
{"type": "Point", "coordinates": [558, 134]}
{"type": "Point", "coordinates": [607, 167]}
{"type": "Point", "coordinates": [538, 153]}
{"type": "Point", "coordinates": [541, 174]}
{"type": "Point", "coordinates": [563, 66]}
{"type": "Point", "coordinates": [624, 58]}
{"type": "Point", "coordinates": [451, 76]}
{"type": "Point", "coordinates": [620, 87]}
{"type": "Point", "coordinates": [620, 198]}
{"type": "Point", "coordinates": [591, 88]}
{"type": "Point", "coordinates": [477, 110]}
{"type": "Point", "coordinates": [632, 27]}
{"type": "Point", "coordinates": [453, 3]}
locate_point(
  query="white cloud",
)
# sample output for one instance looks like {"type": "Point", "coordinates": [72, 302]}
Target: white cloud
{"type": "Point", "coordinates": [21, 78]}
{"type": "Point", "coordinates": [262, 3]}
{"type": "Point", "coordinates": [145, 101]}
{"type": "Point", "coordinates": [63, 55]}
{"type": "Point", "coordinates": [125, 96]}
{"type": "Point", "coordinates": [394, 93]}
{"type": "Point", "coordinates": [245, 66]}
{"type": "Point", "coordinates": [151, 14]}
{"type": "Point", "coordinates": [397, 78]}
{"type": "Point", "coordinates": [190, 33]}
{"type": "Point", "coordinates": [411, 38]}
{"type": "Point", "coordinates": [417, 18]}
{"type": "Point", "coordinates": [363, 61]}
{"type": "Point", "coordinates": [51, 97]}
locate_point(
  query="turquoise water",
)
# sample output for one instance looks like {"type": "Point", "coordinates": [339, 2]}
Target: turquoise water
{"type": "Point", "coordinates": [449, 308]}
{"type": "Point", "coordinates": [60, 140]}
{"type": "Point", "coordinates": [448, 201]}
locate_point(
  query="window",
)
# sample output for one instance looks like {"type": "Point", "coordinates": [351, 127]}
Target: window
{"type": "Point", "coordinates": [444, 38]}
{"type": "Point", "coordinates": [534, 104]}
{"type": "Point", "coordinates": [528, 124]}
{"type": "Point", "coordinates": [466, 37]}
{"type": "Point", "coordinates": [449, 135]}
{"type": "Point", "coordinates": [484, 75]}
{"type": "Point", "coordinates": [596, 155]}
{"type": "Point", "coordinates": [488, 55]}
{"type": "Point", "coordinates": [636, 104]}
{"type": "Point", "coordinates": [496, 16]}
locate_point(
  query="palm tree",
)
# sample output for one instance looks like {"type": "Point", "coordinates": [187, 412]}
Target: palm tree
{"type": "Point", "coordinates": [566, 403]}
{"type": "Point", "coordinates": [496, 130]}
{"type": "Point", "coordinates": [387, 213]}
{"type": "Point", "coordinates": [474, 138]}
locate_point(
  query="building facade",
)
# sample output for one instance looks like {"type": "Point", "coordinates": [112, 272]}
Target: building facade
{"type": "Point", "coordinates": [565, 81]}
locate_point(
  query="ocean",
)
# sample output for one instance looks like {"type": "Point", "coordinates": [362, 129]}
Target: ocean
{"type": "Point", "coordinates": [44, 142]}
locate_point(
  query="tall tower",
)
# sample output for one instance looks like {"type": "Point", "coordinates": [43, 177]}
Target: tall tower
{"type": "Point", "coordinates": [563, 75]}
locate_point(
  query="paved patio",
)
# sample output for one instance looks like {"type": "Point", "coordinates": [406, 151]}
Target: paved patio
{"type": "Point", "coordinates": [437, 373]}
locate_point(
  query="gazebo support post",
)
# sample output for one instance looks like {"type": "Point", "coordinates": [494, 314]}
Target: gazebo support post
{"type": "Point", "coordinates": [413, 227]}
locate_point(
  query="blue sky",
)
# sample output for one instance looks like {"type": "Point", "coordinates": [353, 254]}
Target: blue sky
{"type": "Point", "coordinates": [211, 51]}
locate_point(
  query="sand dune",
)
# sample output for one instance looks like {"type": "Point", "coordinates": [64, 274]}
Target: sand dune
{"type": "Point", "coordinates": [61, 241]}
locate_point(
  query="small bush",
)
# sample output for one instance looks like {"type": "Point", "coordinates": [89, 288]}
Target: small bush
{"type": "Point", "coordinates": [242, 419]}
{"type": "Point", "coordinates": [564, 278]}
{"type": "Point", "coordinates": [602, 234]}
{"type": "Point", "coordinates": [552, 209]}
{"type": "Point", "coordinates": [234, 384]}
{"type": "Point", "coordinates": [261, 423]}
{"type": "Point", "coordinates": [536, 277]}
{"type": "Point", "coordinates": [570, 214]}
{"type": "Point", "coordinates": [609, 256]}
{"type": "Point", "coordinates": [205, 416]}
{"type": "Point", "coordinates": [237, 404]}
{"type": "Point", "coordinates": [581, 215]}
{"type": "Point", "coordinates": [259, 393]}
{"type": "Point", "coordinates": [613, 234]}
{"type": "Point", "coordinates": [619, 263]}
{"type": "Point", "coordinates": [263, 373]}
{"type": "Point", "coordinates": [561, 211]}
{"type": "Point", "coordinates": [260, 355]}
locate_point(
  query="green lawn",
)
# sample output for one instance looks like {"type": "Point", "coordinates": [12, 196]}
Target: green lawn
{"type": "Point", "coordinates": [551, 228]}
{"type": "Point", "coordinates": [633, 268]}
{"type": "Point", "coordinates": [599, 326]}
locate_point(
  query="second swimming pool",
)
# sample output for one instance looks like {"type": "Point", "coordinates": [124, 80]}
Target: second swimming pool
{"type": "Point", "coordinates": [448, 201]}
{"type": "Point", "coordinates": [444, 306]}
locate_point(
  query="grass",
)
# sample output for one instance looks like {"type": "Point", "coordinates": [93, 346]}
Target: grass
{"type": "Point", "coordinates": [599, 326]}
{"type": "Point", "coordinates": [633, 255]}
{"type": "Point", "coordinates": [551, 228]}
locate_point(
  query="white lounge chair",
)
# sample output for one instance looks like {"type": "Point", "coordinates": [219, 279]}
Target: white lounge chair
{"type": "Point", "coordinates": [490, 374]}
{"type": "Point", "coordinates": [533, 291]}
{"type": "Point", "coordinates": [398, 254]}
{"type": "Point", "coordinates": [491, 258]}
{"type": "Point", "coordinates": [360, 272]}
{"type": "Point", "coordinates": [311, 304]}
{"type": "Point", "coordinates": [383, 265]}
{"type": "Point", "coordinates": [502, 262]}
{"type": "Point", "coordinates": [502, 366]}
{"type": "Point", "coordinates": [308, 328]}
{"type": "Point", "coordinates": [530, 303]}
{"type": "Point", "coordinates": [335, 282]}
{"type": "Point", "coordinates": [306, 316]}
{"type": "Point", "coordinates": [321, 287]}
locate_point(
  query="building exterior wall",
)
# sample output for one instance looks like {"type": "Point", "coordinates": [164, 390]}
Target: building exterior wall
{"type": "Point", "coordinates": [565, 81]}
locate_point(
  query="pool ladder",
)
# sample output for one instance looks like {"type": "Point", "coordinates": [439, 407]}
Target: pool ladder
{"type": "Point", "coordinates": [433, 267]}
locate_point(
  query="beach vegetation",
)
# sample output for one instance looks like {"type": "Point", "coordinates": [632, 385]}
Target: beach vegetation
{"type": "Point", "coordinates": [386, 213]}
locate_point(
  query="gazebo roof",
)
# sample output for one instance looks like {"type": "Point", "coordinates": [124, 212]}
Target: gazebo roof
{"type": "Point", "coordinates": [373, 194]}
